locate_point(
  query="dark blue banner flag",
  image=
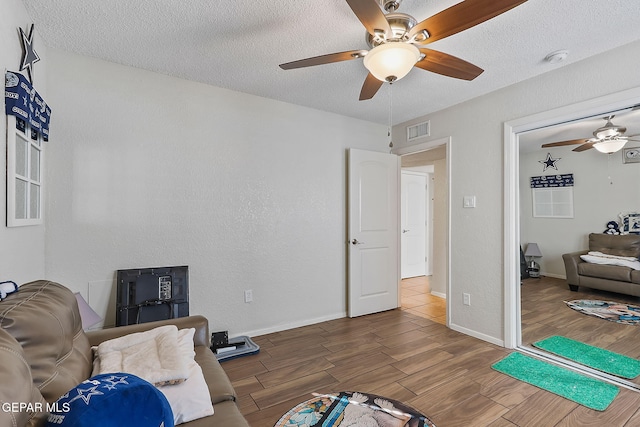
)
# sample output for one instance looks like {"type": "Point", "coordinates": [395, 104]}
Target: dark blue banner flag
{"type": "Point", "coordinates": [565, 180]}
{"type": "Point", "coordinates": [22, 100]}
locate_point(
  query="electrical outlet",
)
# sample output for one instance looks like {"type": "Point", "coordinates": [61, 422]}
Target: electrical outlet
{"type": "Point", "coordinates": [466, 299]}
{"type": "Point", "coordinates": [469, 202]}
{"type": "Point", "coordinates": [248, 295]}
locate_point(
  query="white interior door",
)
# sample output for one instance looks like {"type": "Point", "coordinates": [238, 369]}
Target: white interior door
{"type": "Point", "coordinates": [373, 232]}
{"type": "Point", "coordinates": [413, 191]}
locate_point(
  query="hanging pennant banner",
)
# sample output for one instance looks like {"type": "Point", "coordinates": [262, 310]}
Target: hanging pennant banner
{"type": "Point", "coordinates": [565, 180]}
{"type": "Point", "coordinates": [22, 100]}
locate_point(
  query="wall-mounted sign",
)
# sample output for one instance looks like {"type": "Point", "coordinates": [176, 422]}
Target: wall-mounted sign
{"type": "Point", "coordinates": [551, 181]}
{"type": "Point", "coordinates": [22, 100]}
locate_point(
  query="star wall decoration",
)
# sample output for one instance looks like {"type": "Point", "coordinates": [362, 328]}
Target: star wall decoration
{"type": "Point", "coordinates": [549, 162]}
{"type": "Point", "coordinates": [30, 55]}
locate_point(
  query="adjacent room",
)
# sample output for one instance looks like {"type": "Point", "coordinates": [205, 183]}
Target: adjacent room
{"type": "Point", "coordinates": [590, 201]}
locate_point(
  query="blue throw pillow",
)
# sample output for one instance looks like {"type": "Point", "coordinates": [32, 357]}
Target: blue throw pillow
{"type": "Point", "coordinates": [110, 400]}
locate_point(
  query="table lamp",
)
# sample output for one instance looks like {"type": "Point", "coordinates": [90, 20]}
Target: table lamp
{"type": "Point", "coordinates": [533, 251]}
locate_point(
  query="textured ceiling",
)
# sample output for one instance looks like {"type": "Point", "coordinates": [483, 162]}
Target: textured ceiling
{"type": "Point", "coordinates": [239, 44]}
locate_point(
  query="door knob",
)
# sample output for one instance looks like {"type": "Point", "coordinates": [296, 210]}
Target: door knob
{"type": "Point", "coordinates": [356, 242]}
{"type": "Point", "coordinates": [405, 231]}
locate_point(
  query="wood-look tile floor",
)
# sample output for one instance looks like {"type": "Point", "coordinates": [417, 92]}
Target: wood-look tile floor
{"type": "Point", "coordinates": [545, 313]}
{"type": "Point", "coordinates": [442, 373]}
{"type": "Point", "coordinates": [417, 299]}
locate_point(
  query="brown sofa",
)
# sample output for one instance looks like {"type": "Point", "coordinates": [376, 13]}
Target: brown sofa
{"type": "Point", "coordinates": [44, 352]}
{"type": "Point", "coordinates": [623, 280]}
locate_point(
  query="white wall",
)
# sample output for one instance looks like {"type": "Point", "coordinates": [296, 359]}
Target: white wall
{"type": "Point", "coordinates": [429, 208]}
{"type": "Point", "coordinates": [148, 170]}
{"type": "Point", "coordinates": [438, 280]}
{"type": "Point", "coordinates": [604, 187]}
{"type": "Point", "coordinates": [22, 250]}
{"type": "Point", "coordinates": [476, 156]}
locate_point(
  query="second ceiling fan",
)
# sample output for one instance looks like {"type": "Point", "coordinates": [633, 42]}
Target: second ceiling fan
{"type": "Point", "coordinates": [395, 40]}
{"type": "Point", "coordinates": [606, 139]}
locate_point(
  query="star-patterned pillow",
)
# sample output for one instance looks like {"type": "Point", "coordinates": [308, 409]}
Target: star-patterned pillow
{"type": "Point", "coordinates": [115, 399]}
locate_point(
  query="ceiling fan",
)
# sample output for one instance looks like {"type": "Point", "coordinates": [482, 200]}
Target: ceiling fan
{"type": "Point", "coordinates": [606, 139]}
{"type": "Point", "coordinates": [395, 40]}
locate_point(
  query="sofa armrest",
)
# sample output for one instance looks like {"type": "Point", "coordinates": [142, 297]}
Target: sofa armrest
{"type": "Point", "coordinates": [200, 323]}
{"type": "Point", "coordinates": [571, 261]}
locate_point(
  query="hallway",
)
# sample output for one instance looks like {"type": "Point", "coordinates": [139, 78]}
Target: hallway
{"type": "Point", "coordinates": [417, 299]}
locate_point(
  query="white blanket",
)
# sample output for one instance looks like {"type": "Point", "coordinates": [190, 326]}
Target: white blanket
{"type": "Point", "coordinates": [151, 355]}
{"type": "Point", "coordinates": [602, 258]}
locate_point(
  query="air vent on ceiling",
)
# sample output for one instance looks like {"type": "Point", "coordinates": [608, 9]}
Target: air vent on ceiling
{"type": "Point", "coordinates": [418, 131]}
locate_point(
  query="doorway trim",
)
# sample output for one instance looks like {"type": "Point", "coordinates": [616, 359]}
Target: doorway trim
{"type": "Point", "coordinates": [426, 146]}
{"type": "Point", "coordinates": [580, 110]}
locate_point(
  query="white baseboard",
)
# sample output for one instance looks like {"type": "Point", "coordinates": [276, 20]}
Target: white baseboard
{"type": "Point", "coordinates": [292, 325]}
{"type": "Point", "coordinates": [555, 276]}
{"type": "Point", "coordinates": [476, 334]}
{"type": "Point", "coordinates": [439, 294]}
{"type": "Point", "coordinates": [307, 322]}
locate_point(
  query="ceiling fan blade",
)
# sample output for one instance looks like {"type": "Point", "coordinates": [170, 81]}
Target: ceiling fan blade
{"type": "Point", "coordinates": [324, 59]}
{"type": "Point", "coordinates": [563, 143]}
{"type": "Point", "coordinates": [370, 87]}
{"type": "Point", "coordinates": [462, 16]}
{"type": "Point", "coordinates": [371, 16]}
{"type": "Point", "coordinates": [448, 65]}
{"type": "Point", "coordinates": [584, 147]}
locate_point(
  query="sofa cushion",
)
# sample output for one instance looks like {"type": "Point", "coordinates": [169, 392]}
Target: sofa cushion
{"type": "Point", "coordinates": [117, 399]}
{"type": "Point", "coordinates": [603, 271]}
{"type": "Point", "coordinates": [615, 244]}
{"type": "Point", "coordinates": [220, 387]}
{"type": "Point", "coordinates": [15, 372]}
{"type": "Point", "coordinates": [43, 318]}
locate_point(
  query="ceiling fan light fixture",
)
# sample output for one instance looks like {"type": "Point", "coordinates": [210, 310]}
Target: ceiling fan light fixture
{"type": "Point", "coordinates": [609, 131]}
{"type": "Point", "coordinates": [605, 133]}
{"type": "Point", "coordinates": [609, 146]}
{"type": "Point", "coordinates": [419, 37]}
{"type": "Point", "coordinates": [391, 61]}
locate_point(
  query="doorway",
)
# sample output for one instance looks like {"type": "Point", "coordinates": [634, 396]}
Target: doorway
{"type": "Point", "coordinates": [526, 318]}
{"type": "Point", "coordinates": [418, 299]}
{"type": "Point", "coordinates": [415, 221]}
{"type": "Point", "coordinates": [425, 293]}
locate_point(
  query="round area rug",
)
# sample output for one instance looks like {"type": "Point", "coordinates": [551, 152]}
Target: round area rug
{"type": "Point", "coordinates": [352, 409]}
{"type": "Point", "coordinates": [608, 310]}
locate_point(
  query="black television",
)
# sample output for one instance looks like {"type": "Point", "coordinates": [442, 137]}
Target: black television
{"type": "Point", "coordinates": [149, 294]}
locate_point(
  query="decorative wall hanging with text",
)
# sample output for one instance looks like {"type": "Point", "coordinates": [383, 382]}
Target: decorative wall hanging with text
{"type": "Point", "coordinates": [552, 181]}
{"type": "Point", "coordinates": [24, 102]}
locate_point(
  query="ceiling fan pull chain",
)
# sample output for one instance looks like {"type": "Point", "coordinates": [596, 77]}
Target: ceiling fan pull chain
{"type": "Point", "coordinates": [390, 118]}
{"type": "Point", "coordinates": [609, 168]}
